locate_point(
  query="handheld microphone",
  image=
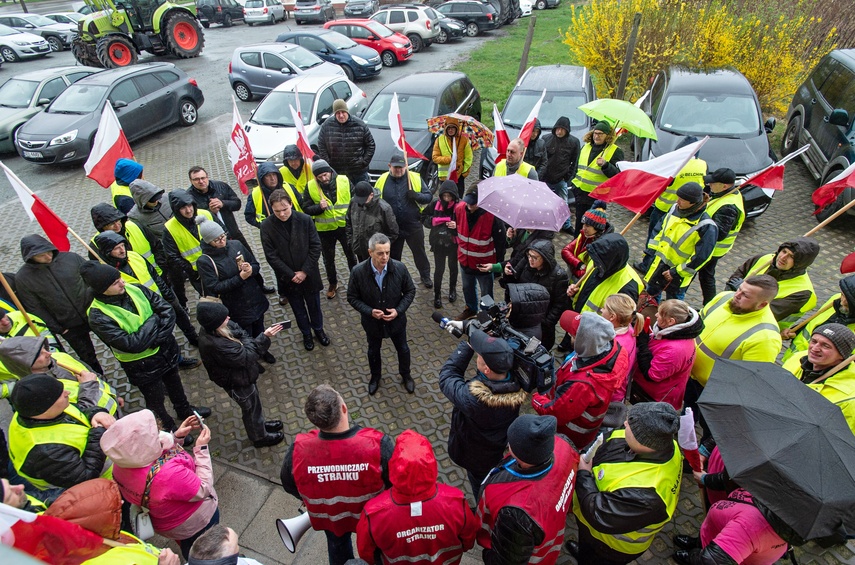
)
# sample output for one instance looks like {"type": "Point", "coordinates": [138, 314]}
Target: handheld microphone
{"type": "Point", "coordinates": [443, 323]}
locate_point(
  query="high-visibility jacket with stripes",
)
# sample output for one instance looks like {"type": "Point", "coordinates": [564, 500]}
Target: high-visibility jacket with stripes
{"type": "Point", "coordinates": [611, 285]}
{"type": "Point", "coordinates": [735, 199]}
{"type": "Point", "coordinates": [694, 171]}
{"type": "Point", "coordinates": [262, 207]}
{"type": "Point", "coordinates": [839, 388]}
{"type": "Point", "coordinates": [19, 328]}
{"type": "Point", "coordinates": [139, 553]}
{"type": "Point", "coordinates": [786, 287]}
{"type": "Point", "coordinates": [128, 321]}
{"type": "Point", "coordinates": [117, 190]}
{"type": "Point", "coordinates": [544, 496]}
{"type": "Point", "coordinates": [801, 339]}
{"type": "Point", "coordinates": [333, 217]}
{"type": "Point", "coordinates": [73, 431]}
{"type": "Point", "coordinates": [676, 245]}
{"type": "Point", "coordinates": [140, 275]}
{"type": "Point", "coordinates": [415, 181]}
{"type": "Point", "coordinates": [136, 242]}
{"type": "Point", "coordinates": [299, 183]}
{"type": "Point", "coordinates": [336, 477]}
{"type": "Point", "coordinates": [501, 169]}
{"type": "Point", "coordinates": [475, 245]}
{"type": "Point", "coordinates": [189, 243]}
{"type": "Point", "coordinates": [664, 476]}
{"type": "Point", "coordinates": [589, 176]}
{"type": "Point", "coordinates": [106, 395]}
{"type": "Point", "coordinates": [741, 337]}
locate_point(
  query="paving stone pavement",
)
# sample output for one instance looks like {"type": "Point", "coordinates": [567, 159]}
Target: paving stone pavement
{"type": "Point", "coordinates": [247, 478]}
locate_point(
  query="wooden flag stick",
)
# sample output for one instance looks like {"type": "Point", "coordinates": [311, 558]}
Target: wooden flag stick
{"type": "Point", "coordinates": [18, 304]}
{"type": "Point", "coordinates": [629, 225]}
{"type": "Point", "coordinates": [805, 322]}
{"type": "Point", "coordinates": [86, 245]}
{"type": "Point", "coordinates": [840, 366]}
{"type": "Point", "coordinates": [830, 219]}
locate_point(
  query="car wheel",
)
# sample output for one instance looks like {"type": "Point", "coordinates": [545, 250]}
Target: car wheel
{"type": "Point", "coordinates": [389, 59]}
{"type": "Point", "coordinates": [791, 136]}
{"type": "Point", "coordinates": [55, 43]}
{"type": "Point", "coordinates": [442, 37]}
{"type": "Point", "coordinates": [243, 92]}
{"type": "Point", "coordinates": [416, 42]}
{"type": "Point", "coordinates": [348, 71]}
{"type": "Point", "coordinates": [472, 29]}
{"type": "Point", "coordinates": [9, 54]}
{"type": "Point", "coordinates": [250, 24]}
{"type": "Point", "coordinates": [540, 4]}
{"type": "Point", "coordinates": [227, 20]}
{"type": "Point", "coordinates": [272, 19]}
{"type": "Point", "coordinates": [188, 113]}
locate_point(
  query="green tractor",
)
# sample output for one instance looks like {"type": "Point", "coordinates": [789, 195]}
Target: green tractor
{"type": "Point", "coordinates": [116, 31]}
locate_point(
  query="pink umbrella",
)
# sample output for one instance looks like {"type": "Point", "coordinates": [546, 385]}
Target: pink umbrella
{"type": "Point", "coordinates": [523, 203]}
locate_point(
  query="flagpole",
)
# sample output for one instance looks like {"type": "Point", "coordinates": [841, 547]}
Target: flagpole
{"type": "Point", "coordinates": [404, 151]}
{"type": "Point", "coordinates": [86, 245]}
{"type": "Point", "coordinates": [18, 304]}
{"type": "Point", "coordinates": [629, 225]}
{"type": "Point", "coordinates": [830, 219]}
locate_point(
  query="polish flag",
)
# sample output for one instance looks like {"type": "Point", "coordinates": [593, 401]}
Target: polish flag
{"type": "Point", "coordinates": [452, 168]}
{"type": "Point", "coordinates": [829, 193]}
{"type": "Point", "coordinates": [110, 145]}
{"type": "Point", "coordinates": [396, 128]}
{"type": "Point", "coordinates": [48, 539]}
{"type": "Point", "coordinates": [240, 153]}
{"type": "Point", "coordinates": [302, 138]}
{"type": "Point", "coordinates": [772, 178]}
{"type": "Point", "coordinates": [501, 136]}
{"type": "Point", "coordinates": [53, 226]}
{"type": "Point", "coordinates": [528, 126]}
{"type": "Point", "coordinates": [639, 184]}
{"type": "Point", "coordinates": [687, 439]}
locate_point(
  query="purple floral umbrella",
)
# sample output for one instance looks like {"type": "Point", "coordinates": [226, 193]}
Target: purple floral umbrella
{"type": "Point", "coordinates": [523, 203]}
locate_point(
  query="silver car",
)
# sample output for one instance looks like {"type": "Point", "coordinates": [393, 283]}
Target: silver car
{"type": "Point", "coordinates": [16, 45]}
{"type": "Point", "coordinates": [264, 11]}
{"type": "Point", "coordinates": [59, 36]}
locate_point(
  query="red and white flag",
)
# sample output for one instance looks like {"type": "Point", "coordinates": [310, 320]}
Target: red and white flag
{"type": "Point", "coordinates": [240, 153]}
{"type": "Point", "coordinates": [396, 127]}
{"type": "Point", "coordinates": [110, 145]}
{"type": "Point", "coordinates": [687, 439]}
{"type": "Point", "coordinates": [828, 193]}
{"type": "Point", "coordinates": [528, 126]}
{"type": "Point", "coordinates": [638, 184]}
{"type": "Point", "coordinates": [302, 138]}
{"type": "Point", "coordinates": [53, 226]}
{"type": "Point", "coordinates": [48, 539]}
{"type": "Point", "coordinates": [452, 168]}
{"type": "Point", "coordinates": [501, 139]}
{"type": "Point", "coordinates": [771, 178]}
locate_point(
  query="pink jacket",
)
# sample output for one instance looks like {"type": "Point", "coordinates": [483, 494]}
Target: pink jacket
{"type": "Point", "coordinates": [625, 338]}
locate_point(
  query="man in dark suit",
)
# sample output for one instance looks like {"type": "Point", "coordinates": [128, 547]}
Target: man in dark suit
{"type": "Point", "coordinates": [381, 289]}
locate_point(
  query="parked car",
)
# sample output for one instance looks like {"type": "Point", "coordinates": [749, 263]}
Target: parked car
{"type": "Point", "coordinates": [360, 8]}
{"type": "Point", "coordinates": [418, 22]}
{"type": "Point", "coordinates": [477, 16]}
{"type": "Point", "coordinates": [146, 97]}
{"type": "Point", "coordinates": [420, 96]}
{"type": "Point", "coordinates": [719, 103]}
{"type": "Point", "coordinates": [223, 12]}
{"type": "Point", "coordinates": [320, 11]}
{"type": "Point", "coordinates": [255, 70]}
{"type": "Point", "coordinates": [264, 11]}
{"type": "Point", "coordinates": [526, 7]}
{"type": "Point", "coordinates": [25, 95]}
{"type": "Point", "coordinates": [16, 45]}
{"type": "Point", "coordinates": [544, 4]}
{"type": "Point", "coordinates": [449, 28]}
{"type": "Point", "coordinates": [393, 47]}
{"type": "Point", "coordinates": [59, 36]}
{"type": "Point", "coordinates": [66, 17]}
{"type": "Point", "coordinates": [271, 126]}
{"type": "Point", "coordinates": [357, 61]}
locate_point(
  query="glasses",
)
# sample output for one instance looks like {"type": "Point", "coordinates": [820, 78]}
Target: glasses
{"type": "Point", "coordinates": [218, 239]}
{"type": "Point", "coordinates": [199, 179]}
{"type": "Point", "coordinates": [534, 257]}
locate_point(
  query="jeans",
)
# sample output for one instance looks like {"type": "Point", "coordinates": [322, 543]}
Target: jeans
{"type": "Point", "coordinates": [416, 242]}
{"type": "Point", "coordinates": [182, 320]}
{"type": "Point", "coordinates": [560, 189]}
{"type": "Point", "coordinates": [470, 293]}
{"type": "Point", "coordinates": [375, 343]}
{"type": "Point", "coordinates": [583, 204]}
{"type": "Point", "coordinates": [153, 393]}
{"type": "Point", "coordinates": [250, 410]}
{"type": "Point", "coordinates": [441, 255]}
{"type": "Point", "coordinates": [79, 340]}
{"type": "Point", "coordinates": [328, 241]}
{"type": "Point", "coordinates": [339, 548]}
{"type": "Point", "coordinates": [706, 276]}
{"type": "Point", "coordinates": [186, 544]}
{"type": "Point", "coordinates": [307, 311]}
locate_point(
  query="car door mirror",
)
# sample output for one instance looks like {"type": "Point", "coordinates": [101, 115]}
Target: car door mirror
{"type": "Point", "coordinates": [839, 117]}
{"type": "Point", "coordinates": [119, 104]}
{"type": "Point", "coordinates": [323, 118]}
{"type": "Point", "coordinates": [29, 26]}
{"type": "Point", "coordinates": [770, 124]}
{"type": "Point", "coordinates": [43, 102]}
{"type": "Point", "coordinates": [286, 71]}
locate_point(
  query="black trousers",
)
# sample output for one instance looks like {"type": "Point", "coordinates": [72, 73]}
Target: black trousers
{"type": "Point", "coordinates": [154, 392]}
{"type": "Point", "coordinates": [80, 341]}
{"type": "Point", "coordinates": [690, 400]}
{"type": "Point", "coordinates": [583, 204]}
{"type": "Point", "coordinates": [182, 320]}
{"type": "Point", "coordinates": [441, 255]}
{"type": "Point", "coordinates": [255, 328]}
{"type": "Point", "coordinates": [416, 242]}
{"type": "Point", "coordinates": [706, 276]}
{"type": "Point", "coordinates": [328, 241]}
{"type": "Point", "coordinates": [307, 311]}
{"type": "Point", "coordinates": [594, 552]}
{"type": "Point", "coordinates": [250, 409]}
{"type": "Point", "coordinates": [375, 343]}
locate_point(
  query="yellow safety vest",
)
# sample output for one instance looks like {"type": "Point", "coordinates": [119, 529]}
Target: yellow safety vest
{"type": "Point", "coordinates": [415, 180]}
{"type": "Point", "coordinates": [141, 275]}
{"type": "Point", "coordinates": [694, 171]}
{"type": "Point", "coordinates": [609, 286]}
{"type": "Point", "coordinates": [447, 149]}
{"type": "Point", "coordinates": [20, 329]}
{"type": "Point", "coordinates": [675, 244]}
{"type": "Point", "coordinates": [735, 198]}
{"type": "Point", "coordinates": [139, 553]}
{"type": "Point", "coordinates": [838, 389]}
{"type": "Point", "coordinates": [501, 169]}
{"type": "Point", "coordinates": [726, 336]}
{"type": "Point", "coordinates": [801, 339]}
{"type": "Point", "coordinates": [588, 177]}
{"type": "Point", "coordinates": [333, 217]}
{"type": "Point", "coordinates": [299, 183]}
{"type": "Point", "coordinates": [117, 190]}
{"type": "Point", "coordinates": [106, 397]}
{"type": "Point", "coordinates": [189, 244]}
{"type": "Point", "coordinates": [786, 287]}
{"type": "Point", "coordinates": [128, 321]}
{"type": "Point", "coordinates": [261, 207]}
{"type": "Point", "coordinates": [664, 477]}
{"type": "Point", "coordinates": [23, 439]}
{"type": "Point", "coordinates": [139, 243]}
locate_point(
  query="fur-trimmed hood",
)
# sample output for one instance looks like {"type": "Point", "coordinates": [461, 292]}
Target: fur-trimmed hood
{"type": "Point", "coordinates": [495, 399]}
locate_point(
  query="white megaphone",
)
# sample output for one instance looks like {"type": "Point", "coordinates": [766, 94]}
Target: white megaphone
{"type": "Point", "coordinates": [292, 529]}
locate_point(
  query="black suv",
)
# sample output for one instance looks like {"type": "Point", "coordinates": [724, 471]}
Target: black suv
{"type": "Point", "coordinates": [218, 12]}
{"type": "Point", "coordinates": [360, 8]}
{"type": "Point", "coordinates": [477, 16]}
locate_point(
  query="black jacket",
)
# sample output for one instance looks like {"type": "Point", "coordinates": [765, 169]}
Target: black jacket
{"type": "Point", "coordinates": [847, 288]}
{"type": "Point", "coordinates": [177, 200]}
{"type": "Point", "coordinates": [53, 292]}
{"type": "Point", "coordinates": [364, 295]}
{"type": "Point", "coordinates": [347, 147]}
{"type": "Point", "coordinates": [440, 236]}
{"type": "Point", "coordinates": [330, 191]}
{"type": "Point", "coordinates": [552, 277]}
{"type": "Point", "coordinates": [106, 241]}
{"type": "Point", "coordinates": [405, 203]}
{"type": "Point", "coordinates": [231, 204]}
{"type": "Point", "coordinates": [609, 254]}
{"type": "Point", "coordinates": [610, 168]}
{"type": "Point", "coordinates": [562, 154]}
{"type": "Point", "coordinates": [249, 209]}
{"type": "Point", "coordinates": [104, 214]}
{"type": "Point", "coordinates": [364, 220]}
{"type": "Point", "coordinates": [530, 303]}
{"type": "Point", "coordinates": [244, 298]}
{"type": "Point", "coordinates": [726, 216]}
{"type": "Point", "coordinates": [522, 239]}
{"type": "Point", "coordinates": [535, 153]}
{"type": "Point", "coordinates": [290, 251]}
{"type": "Point", "coordinates": [232, 364]}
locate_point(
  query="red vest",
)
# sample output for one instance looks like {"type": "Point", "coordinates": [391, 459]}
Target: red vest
{"type": "Point", "coordinates": [336, 477]}
{"type": "Point", "coordinates": [475, 247]}
{"type": "Point", "coordinates": [546, 499]}
{"type": "Point", "coordinates": [433, 537]}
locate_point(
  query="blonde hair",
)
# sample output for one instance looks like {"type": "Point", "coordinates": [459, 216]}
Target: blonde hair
{"type": "Point", "coordinates": [676, 309]}
{"type": "Point", "coordinates": [227, 333]}
{"type": "Point", "coordinates": [624, 309]}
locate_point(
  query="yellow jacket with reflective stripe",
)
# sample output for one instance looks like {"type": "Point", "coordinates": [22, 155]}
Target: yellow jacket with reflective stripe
{"type": "Point", "coordinates": [189, 244]}
{"type": "Point", "coordinates": [734, 198]}
{"type": "Point", "coordinates": [415, 182]}
{"type": "Point", "coordinates": [786, 287]}
{"type": "Point", "coordinates": [128, 321]}
{"type": "Point", "coordinates": [740, 337]}
{"type": "Point", "coordinates": [117, 190]}
{"type": "Point", "coordinates": [261, 207]}
{"type": "Point", "coordinates": [839, 388]}
{"type": "Point", "coordinates": [501, 169]}
{"type": "Point", "coordinates": [106, 396]}
{"type": "Point", "coordinates": [298, 183]}
{"type": "Point", "coordinates": [19, 328]}
{"type": "Point", "coordinates": [676, 245]}
{"type": "Point", "coordinates": [612, 285]}
{"type": "Point", "coordinates": [588, 177]}
{"type": "Point", "coordinates": [800, 341]}
{"type": "Point", "coordinates": [141, 276]}
{"type": "Point", "coordinates": [333, 217]}
{"type": "Point", "coordinates": [139, 244]}
{"type": "Point", "coordinates": [694, 171]}
{"type": "Point", "coordinates": [664, 477]}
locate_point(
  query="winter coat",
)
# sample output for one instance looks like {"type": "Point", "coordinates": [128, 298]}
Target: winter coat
{"type": "Point", "coordinates": [177, 200]}
{"type": "Point", "coordinates": [220, 276]}
{"type": "Point", "coordinates": [153, 219]}
{"type": "Point", "coordinates": [406, 203]}
{"type": "Point", "coordinates": [562, 154]}
{"type": "Point", "coordinates": [106, 241]}
{"type": "Point", "coordinates": [364, 295]}
{"type": "Point", "coordinates": [443, 148]}
{"type": "Point", "coordinates": [483, 411]}
{"type": "Point", "coordinates": [226, 194]}
{"type": "Point", "coordinates": [530, 305]}
{"type": "Point", "coordinates": [535, 153]}
{"type": "Point", "coordinates": [290, 251]}
{"type": "Point", "coordinates": [104, 214]}
{"type": "Point", "coordinates": [441, 237]}
{"type": "Point", "coordinates": [347, 147]}
{"type": "Point", "coordinates": [249, 209]}
{"type": "Point", "coordinates": [364, 220]}
{"type": "Point", "coordinates": [232, 364]}
{"type": "Point", "coordinates": [575, 253]}
{"type": "Point", "coordinates": [519, 243]}
{"type": "Point", "coordinates": [664, 360]}
{"type": "Point", "coordinates": [551, 277]}
{"type": "Point", "coordinates": [608, 254]}
{"type": "Point", "coordinates": [54, 292]}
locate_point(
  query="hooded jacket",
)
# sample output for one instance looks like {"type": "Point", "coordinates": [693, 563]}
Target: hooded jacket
{"type": "Point", "coordinates": [177, 200]}
{"type": "Point", "coordinates": [609, 254]}
{"type": "Point", "coordinates": [220, 276]}
{"type": "Point", "coordinates": [151, 218]}
{"type": "Point", "coordinates": [562, 154]}
{"type": "Point", "coordinates": [249, 209]}
{"type": "Point", "coordinates": [535, 153]}
{"type": "Point", "coordinates": [292, 250]}
{"type": "Point", "coordinates": [106, 241]}
{"type": "Point", "coordinates": [847, 289]}
{"type": "Point", "coordinates": [53, 292]}
{"type": "Point", "coordinates": [441, 212]}
{"type": "Point", "coordinates": [364, 220]}
{"type": "Point", "coordinates": [104, 214]}
{"type": "Point", "coordinates": [443, 149]}
{"type": "Point", "coordinates": [232, 364]}
{"type": "Point", "coordinates": [552, 277]}
{"type": "Point", "coordinates": [530, 305]}
{"type": "Point", "coordinates": [231, 204]}
{"type": "Point", "coordinates": [347, 147]}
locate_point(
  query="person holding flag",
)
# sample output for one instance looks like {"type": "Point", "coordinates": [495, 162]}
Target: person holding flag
{"type": "Point", "coordinates": [727, 210]}
{"type": "Point", "coordinates": [597, 162]}
{"type": "Point", "coordinates": [452, 154]}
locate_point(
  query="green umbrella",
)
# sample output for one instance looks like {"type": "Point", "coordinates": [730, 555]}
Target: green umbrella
{"type": "Point", "coordinates": [622, 114]}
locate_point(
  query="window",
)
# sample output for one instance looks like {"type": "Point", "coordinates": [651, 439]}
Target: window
{"type": "Point", "coordinates": [148, 84]}
{"type": "Point", "coordinates": [52, 88]}
{"type": "Point", "coordinates": [822, 71]}
{"type": "Point", "coordinates": [313, 44]}
{"type": "Point", "coordinates": [446, 102]}
{"type": "Point", "coordinates": [396, 17]}
{"type": "Point", "coordinates": [358, 32]}
{"type": "Point", "coordinates": [380, 17]}
{"type": "Point", "coordinates": [458, 93]}
{"type": "Point", "coordinates": [833, 88]}
{"type": "Point", "coordinates": [74, 77]}
{"type": "Point", "coordinates": [125, 91]}
{"type": "Point", "coordinates": [251, 58]}
{"type": "Point", "coordinates": [459, 9]}
{"type": "Point", "coordinates": [274, 63]}
{"type": "Point", "coordinates": [167, 77]}
{"type": "Point", "coordinates": [412, 15]}
{"type": "Point", "coordinates": [656, 92]}
{"type": "Point", "coordinates": [325, 103]}
{"type": "Point", "coordinates": [342, 90]}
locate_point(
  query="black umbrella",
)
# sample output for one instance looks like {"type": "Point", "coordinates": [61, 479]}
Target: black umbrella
{"type": "Point", "coordinates": [783, 442]}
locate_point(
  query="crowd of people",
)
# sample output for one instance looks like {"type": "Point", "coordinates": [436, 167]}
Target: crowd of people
{"type": "Point", "coordinates": [629, 363]}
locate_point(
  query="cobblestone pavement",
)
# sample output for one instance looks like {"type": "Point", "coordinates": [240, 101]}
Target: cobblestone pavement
{"type": "Point", "coordinates": [343, 365]}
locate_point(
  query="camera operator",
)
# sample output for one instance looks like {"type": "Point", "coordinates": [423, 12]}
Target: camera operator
{"type": "Point", "coordinates": [484, 406]}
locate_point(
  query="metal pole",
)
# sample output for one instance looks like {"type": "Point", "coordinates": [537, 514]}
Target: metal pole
{"type": "Point", "coordinates": [527, 46]}
{"type": "Point", "coordinates": [630, 51]}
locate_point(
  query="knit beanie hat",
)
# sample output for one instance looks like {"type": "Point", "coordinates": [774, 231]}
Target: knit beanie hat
{"type": "Point", "coordinates": [596, 216]}
{"type": "Point", "coordinates": [532, 438]}
{"type": "Point", "coordinates": [594, 335]}
{"type": "Point", "coordinates": [127, 171]}
{"type": "Point", "coordinates": [320, 166]}
{"type": "Point", "coordinates": [654, 424]}
{"type": "Point", "coordinates": [98, 276]}
{"type": "Point", "coordinates": [603, 126]}
{"type": "Point", "coordinates": [838, 334]}
{"type": "Point", "coordinates": [34, 394]}
{"type": "Point", "coordinates": [211, 315]}
{"type": "Point", "coordinates": [691, 192]}
{"type": "Point", "coordinates": [340, 106]}
{"type": "Point", "coordinates": [209, 230]}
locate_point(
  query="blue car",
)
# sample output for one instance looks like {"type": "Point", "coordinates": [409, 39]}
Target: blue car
{"type": "Point", "coordinates": [357, 61]}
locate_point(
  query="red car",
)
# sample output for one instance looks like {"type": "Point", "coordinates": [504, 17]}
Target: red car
{"type": "Point", "coordinates": [393, 47]}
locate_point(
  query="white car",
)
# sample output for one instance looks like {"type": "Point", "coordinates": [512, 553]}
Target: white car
{"type": "Point", "coordinates": [271, 127]}
{"type": "Point", "coordinates": [66, 17]}
{"type": "Point", "coordinates": [16, 45]}
{"type": "Point", "coordinates": [526, 7]}
{"type": "Point", "coordinates": [264, 11]}
{"type": "Point", "coordinates": [59, 36]}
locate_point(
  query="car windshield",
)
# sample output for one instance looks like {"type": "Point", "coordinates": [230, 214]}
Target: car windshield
{"type": "Point", "coordinates": [38, 20]}
{"type": "Point", "coordinates": [254, 4]}
{"type": "Point", "coordinates": [6, 30]}
{"type": "Point", "coordinates": [378, 28]}
{"type": "Point", "coordinates": [339, 41]}
{"type": "Point", "coordinates": [17, 93]}
{"type": "Point", "coordinates": [274, 110]}
{"type": "Point", "coordinates": [301, 58]}
{"type": "Point", "coordinates": [415, 110]}
{"type": "Point", "coordinates": [78, 99]}
{"type": "Point", "coordinates": [724, 115]}
{"type": "Point", "coordinates": [555, 105]}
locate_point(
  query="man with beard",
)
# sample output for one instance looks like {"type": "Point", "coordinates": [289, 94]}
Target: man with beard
{"type": "Point", "coordinates": [836, 310]}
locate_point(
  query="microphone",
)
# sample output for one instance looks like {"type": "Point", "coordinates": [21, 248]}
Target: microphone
{"type": "Point", "coordinates": [444, 322]}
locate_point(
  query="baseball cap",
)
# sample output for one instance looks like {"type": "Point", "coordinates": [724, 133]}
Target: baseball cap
{"type": "Point", "coordinates": [496, 352]}
{"type": "Point", "coordinates": [397, 161]}
{"type": "Point", "coordinates": [723, 175]}
{"type": "Point", "coordinates": [361, 192]}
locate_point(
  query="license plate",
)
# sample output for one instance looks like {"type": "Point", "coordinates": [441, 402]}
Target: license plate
{"type": "Point", "coordinates": [409, 52]}
{"type": "Point", "coordinates": [33, 154]}
{"type": "Point", "coordinates": [42, 48]}
{"type": "Point", "coordinates": [306, 11]}
{"type": "Point", "coordinates": [378, 67]}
